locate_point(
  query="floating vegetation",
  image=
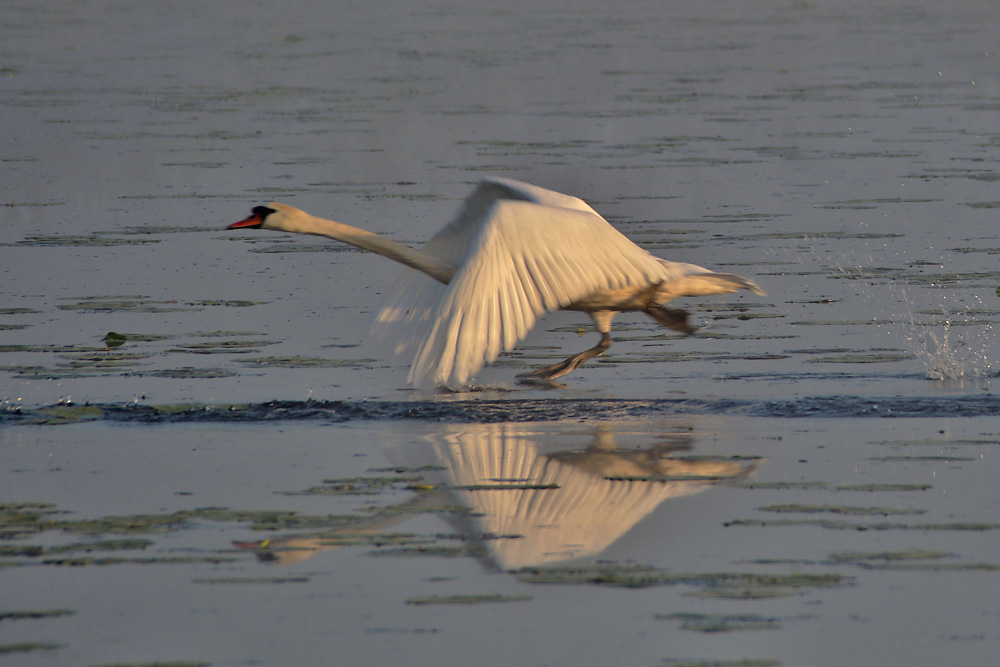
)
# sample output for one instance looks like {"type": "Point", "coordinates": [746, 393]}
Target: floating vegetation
{"type": "Point", "coordinates": [359, 539]}
{"type": "Point", "coordinates": [306, 247]}
{"type": "Point", "coordinates": [358, 486]}
{"type": "Point", "coordinates": [252, 580]}
{"type": "Point", "coordinates": [158, 663]}
{"type": "Point", "coordinates": [92, 240]}
{"type": "Point", "coordinates": [17, 615]}
{"type": "Point", "coordinates": [839, 509]}
{"type": "Point", "coordinates": [114, 339]}
{"type": "Point", "coordinates": [48, 348]}
{"type": "Point", "coordinates": [145, 304]}
{"type": "Point", "coordinates": [912, 554]}
{"type": "Point", "coordinates": [399, 470]}
{"type": "Point", "coordinates": [488, 411]}
{"type": "Point", "coordinates": [151, 560]}
{"type": "Point", "coordinates": [485, 598]}
{"type": "Point", "coordinates": [505, 486]}
{"type": "Point", "coordinates": [722, 622]}
{"type": "Point", "coordinates": [777, 485]}
{"type": "Point", "coordinates": [744, 662]}
{"type": "Point", "coordinates": [233, 303]}
{"type": "Point", "coordinates": [436, 551]}
{"type": "Point", "coordinates": [861, 358]}
{"type": "Point", "coordinates": [307, 362]}
{"type": "Point", "coordinates": [34, 551]}
{"type": "Point", "coordinates": [844, 525]}
{"type": "Point", "coordinates": [27, 647]}
{"type": "Point", "coordinates": [189, 373]}
{"type": "Point", "coordinates": [19, 521]}
{"type": "Point", "coordinates": [130, 304]}
{"type": "Point", "coordinates": [883, 487]}
{"type": "Point", "coordinates": [17, 311]}
{"type": "Point", "coordinates": [724, 584]}
{"type": "Point", "coordinates": [942, 458]}
{"type": "Point", "coordinates": [937, 443]}
{"type": "Point", "coordinates": [65, 414]}
{"type": "Point", "coordinates": [223, 347]}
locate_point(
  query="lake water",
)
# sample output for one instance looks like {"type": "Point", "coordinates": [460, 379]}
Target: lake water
{"type": "Point", "coordinates": [247, 480]}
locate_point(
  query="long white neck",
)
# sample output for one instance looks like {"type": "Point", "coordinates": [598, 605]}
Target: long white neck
{"type": "Point", "coordinates": [303, 223]}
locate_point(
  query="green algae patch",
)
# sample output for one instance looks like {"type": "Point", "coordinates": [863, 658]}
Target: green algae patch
{"type": "Point", "coordinates": [888, 556]}
{"type": "Point", "coordinates": [467, 599]}
{"type": "Point", "coordinates": [778, 485]}
{"type": "Point", "coordinates": [117, 339]}
{"type": "Point", "coordinates": [358, 486]}
{"type": "Point", "coordinates": [125, 303]}
{"type": "Point", "coordinates": [158, 663]}
{"type": "Point", "coordinates": [917, 459]}
{"type": "Point", "coordinates": [18, 347]}
{"type": "Point", "coordinates": [28, 647]}
{"type": "Point", "coordinates": [743, 662]}
{"type": "Point", "coordinates": [23, 614]}
{"type": "Point", "coordinates": [113, 339]}
{"type": "Point", "coordinates": [936, 443]}
{"type": "Point", "coordinates": [434, 551]}
{"type": "Point", "coordinates": [18, 311]}
{"type": "Point", "coordinates": [231, 303]}
{"type": "Point", "coordinates": [57, 415]}
{"type": "Point", "coordinates": [505, 486]}
{"type": "Point", "coordinates": [151, 560]}
{"type": "Point", "coordinates": [216, 347]}
{"type": "Point", "coordinates": [189, 373]}
{"type": "Point", "coordinates": [252, 580]}
{"type": "Point", "coordinates": [845, 525]}
{"type": "Point", "coordinates": [883, 487]}
{"type": "Point", "coordinates": [307, 362]}
{"type": "Point", "coordinates": [721, 622]}
{"type": "Point", "coordinates": [34, 551]}
{"type": "Point", "coordinates": [934, 567]}
{"type": "Point", "coordinates": [641, 576]}
{"type": "Point", "coordinates": [358, 539]}
{"type": "Point", "coordinates": [839, 509]}
{"type": "Point", "coordinates": [744, 592]}
{"type": "Point", "coordinates": [92, 240]}
{"type": "Point", "coordinates": [877, 358]}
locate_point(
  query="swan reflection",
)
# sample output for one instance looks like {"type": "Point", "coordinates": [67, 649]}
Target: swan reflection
{"type": "Point", "coordinates": [539, 494]}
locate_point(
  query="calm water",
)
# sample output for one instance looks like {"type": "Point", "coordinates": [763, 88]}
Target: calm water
{"type": "Point", "coordinates": [843, 155]}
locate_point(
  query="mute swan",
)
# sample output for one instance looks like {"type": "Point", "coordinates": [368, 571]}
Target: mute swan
{"type": "Point", "coordinates": [514, 252]}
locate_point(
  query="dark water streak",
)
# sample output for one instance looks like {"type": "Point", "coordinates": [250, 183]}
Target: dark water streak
{"type": "Point", "coordinates": [493, 411]}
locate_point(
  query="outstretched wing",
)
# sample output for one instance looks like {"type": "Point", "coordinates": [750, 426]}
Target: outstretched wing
{"type": "Point", "coordinates": [522, 260]}
{"type": "Point", "coordinates": [411, 304]}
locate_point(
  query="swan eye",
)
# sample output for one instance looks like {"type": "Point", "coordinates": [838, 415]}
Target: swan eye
{"type": "Point", "coordinates": [262, 212]}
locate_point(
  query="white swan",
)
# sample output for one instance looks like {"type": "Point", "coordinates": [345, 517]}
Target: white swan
{"type": "Point", "coordinates": [514, 252]}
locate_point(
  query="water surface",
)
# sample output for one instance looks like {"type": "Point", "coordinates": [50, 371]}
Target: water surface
{"type": "Point", "coordinates": [241, 476]}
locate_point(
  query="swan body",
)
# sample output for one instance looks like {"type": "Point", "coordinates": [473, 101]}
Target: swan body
{"type": "Point", "coordinates": [513, 252]}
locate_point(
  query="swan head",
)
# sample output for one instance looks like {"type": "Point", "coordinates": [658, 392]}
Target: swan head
{"type": "Point", "coordinates": [270, 216]}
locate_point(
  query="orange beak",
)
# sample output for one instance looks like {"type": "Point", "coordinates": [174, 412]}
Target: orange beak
{"type": "Point", "coordinates": [255, 220]}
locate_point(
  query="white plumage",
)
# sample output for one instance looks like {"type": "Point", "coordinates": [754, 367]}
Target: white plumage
{"type": "Point", "coordinates": [514, 252]}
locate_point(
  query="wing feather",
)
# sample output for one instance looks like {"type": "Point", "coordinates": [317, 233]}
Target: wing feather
{"type": "Point", "coordinates": [528, 259]}
{"type": "Point", "coordinates": [518, 251]}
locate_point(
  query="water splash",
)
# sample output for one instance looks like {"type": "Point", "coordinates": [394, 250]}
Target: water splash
{"type": "Point", "coordinates": [956, 346]}
{"type": "Point", "coordinates": [952, 339]}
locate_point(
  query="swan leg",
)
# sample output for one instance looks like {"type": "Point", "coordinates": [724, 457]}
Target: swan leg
{"type": "Point", "coordinates": [671, 318]}
{"type": "Point", "coordinates": [602, 322]}
{"type": "Point", "coordinates": [569, 365]}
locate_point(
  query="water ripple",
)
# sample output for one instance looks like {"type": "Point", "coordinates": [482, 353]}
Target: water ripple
{"type": "Point", "coordinates": [492, 411]}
